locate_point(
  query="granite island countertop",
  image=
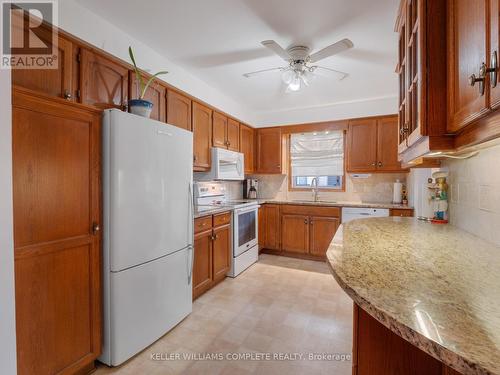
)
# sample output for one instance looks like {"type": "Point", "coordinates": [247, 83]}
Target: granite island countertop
{"type": "Point", "coordinates": [436, 286]}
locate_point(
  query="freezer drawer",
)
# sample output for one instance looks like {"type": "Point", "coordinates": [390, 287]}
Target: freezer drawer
{"type": "Point", "coordinates": [143, 303]}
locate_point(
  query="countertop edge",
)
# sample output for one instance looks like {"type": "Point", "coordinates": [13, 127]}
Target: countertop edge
{"type": "Point", "coordinates": [213, 211]}
{"type": "Point", "coordinates": [427, 345]}
{"type": "Point", "coordinates": [336, 204]}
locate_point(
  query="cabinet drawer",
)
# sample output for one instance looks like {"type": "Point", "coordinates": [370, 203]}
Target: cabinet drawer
{"type": "Point", "coordinates": [222, 219]}
{"type": "Point", "coordinates": [202, 223]}
{"type": "Point", "coordinates": [402, 212]}
{"type": "Point", "coordinates": [310, 210]}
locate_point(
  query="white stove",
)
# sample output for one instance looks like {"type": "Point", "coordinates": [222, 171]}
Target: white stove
{"type": "Point", "coordinates": [244, 222]}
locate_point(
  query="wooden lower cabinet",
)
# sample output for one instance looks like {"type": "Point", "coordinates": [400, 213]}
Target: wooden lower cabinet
{"type": "Point", "coordinates": [202, 266]}
{"type": "Point", "coordinates": [379, 351]}
{"type": "Point", "coordinates": [221, 252]}
{"type": "Point", "coordinates": [295, 230]}
{"type": "Point", "coordinates": [56, 147]}
{"type": "Point", "coordinates": [401, 212]}
{"type": "Point", "coordinates": [322, 230]}
{"type": "Point", "coordinates": [269, 227]}
{"type": "Point", "coordinates": [295, 233]}
{"type": "Point", "coordinates": [212, 251]}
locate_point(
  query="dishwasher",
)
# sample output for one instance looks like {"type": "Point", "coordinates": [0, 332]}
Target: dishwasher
{"type": "Point", "coordinates": [353, 213]}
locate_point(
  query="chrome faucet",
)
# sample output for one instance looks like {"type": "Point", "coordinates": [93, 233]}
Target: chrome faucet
{"type": "Point", "coordinates": [314, 187]}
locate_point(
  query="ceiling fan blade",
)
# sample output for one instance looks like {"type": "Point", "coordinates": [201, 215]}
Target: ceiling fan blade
{"type": "Point", "coordinates": [329, 71]}
{"type": "Point", "coordinates": [276, 48]}
{"type": "Point", "coordinates": [251, 74]}
{"type": "Point", "coordinates": [331, 50]}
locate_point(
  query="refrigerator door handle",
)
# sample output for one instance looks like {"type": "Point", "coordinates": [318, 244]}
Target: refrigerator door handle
{"type": "Point", "coordinates": [190, 264]}
{"type": "Point", "coordinates": [191, 232]}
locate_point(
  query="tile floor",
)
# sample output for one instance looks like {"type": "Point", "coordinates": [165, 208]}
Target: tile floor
{"type": "Point", "coordinates": [279, 305]}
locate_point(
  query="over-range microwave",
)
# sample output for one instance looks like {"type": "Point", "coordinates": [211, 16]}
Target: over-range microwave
{"type": "Point", "coordinates": [226, 165]}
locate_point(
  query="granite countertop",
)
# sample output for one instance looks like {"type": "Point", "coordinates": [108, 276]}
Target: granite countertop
{"type": "Point", "coordinates": [211, 211]}
{"type": "Point", "coordinates": [216, 210]}
{"type": "Point", "coordinates": [336, 203]}
{"type": "Point", "coordinates": [436, 286]}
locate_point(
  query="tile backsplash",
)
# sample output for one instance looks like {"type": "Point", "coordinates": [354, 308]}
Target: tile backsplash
{"type": "Point", "coordinates": [474, 186]}
{"type": "Point", "coordinates": [376, 188]}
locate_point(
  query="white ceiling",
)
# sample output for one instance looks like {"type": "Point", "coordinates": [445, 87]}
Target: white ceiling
{"type": "Point", "coordinates": [219, 40]}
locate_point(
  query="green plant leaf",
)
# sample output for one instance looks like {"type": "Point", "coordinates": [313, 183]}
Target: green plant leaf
{"type": "Point", "coordinates": [138, 74]}
{"type": "Point", "coordinates": [150, 81]}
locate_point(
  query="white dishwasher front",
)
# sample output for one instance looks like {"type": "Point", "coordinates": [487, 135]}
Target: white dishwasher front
{"type": "Point", "coordinates": [353, 213]}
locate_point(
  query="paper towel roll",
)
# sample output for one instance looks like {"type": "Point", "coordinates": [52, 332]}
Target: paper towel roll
{"type": "Point", "coordinates": [397, 196]}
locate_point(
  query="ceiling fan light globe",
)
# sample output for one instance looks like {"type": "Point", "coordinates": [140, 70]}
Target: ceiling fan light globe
{"type": "Point", "coordinates": [288, 76]}
{"type": "Point", "coordinates": [295, 84]}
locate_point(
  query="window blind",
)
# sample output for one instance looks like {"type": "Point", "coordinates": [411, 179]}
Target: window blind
{"type": "Point", "coordinates": [317, 154]}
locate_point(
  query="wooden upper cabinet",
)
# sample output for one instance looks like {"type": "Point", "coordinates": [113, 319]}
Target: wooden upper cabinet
{"type": "Point", "coordinates": [104, 82]}
{"type": "Point", "coordinates": [373, 145]}
{"type": "Point", "coordinates": [219, 130]}
{"type": "Point", "coordinates": [222, 252]}
{"type": "Point", "coordinates": [295, 233]}
{"type": "Point", "coordinates": [269, 151]}
{"type": "Point", "coordinates": [467, 43]}
{"type": "Point", "coordinates": [422, 72]}
{"type": "Point", "coordinates": [494, 34]}
{"type": "Point", "coordinates": [226, 132]}
{"type": "Point", "coordinates": [247, 147]}
{"type": "Point", "coordinates": [202, 135]}
{"type": "Point", "coordinates": [362, 151]}
{"type": "Point", "coordinates": [54, 82]}
{"type": "Point", "coordinates": [178, 110]}
{"type": "Point", "coordinates": [387, 144]}
{"type": "Point", "coordinates": [233, 135]}
{"type": "Point", "coordinates": [56, 199]}
{"type": "Point", "coordinates": [322, 230]}
{"type": "Point", "coordinates": [156, 94]}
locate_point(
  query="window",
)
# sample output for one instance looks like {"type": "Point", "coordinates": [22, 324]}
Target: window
{"type": "Point", "coordinates": [317, 155]}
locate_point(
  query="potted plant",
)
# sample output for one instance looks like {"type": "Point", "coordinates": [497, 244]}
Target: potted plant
{"type": "Point", "coordinates": [140, 106]}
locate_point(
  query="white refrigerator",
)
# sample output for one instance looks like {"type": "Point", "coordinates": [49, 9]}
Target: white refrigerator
{"type": "Point", "coordinates": [147, 232]}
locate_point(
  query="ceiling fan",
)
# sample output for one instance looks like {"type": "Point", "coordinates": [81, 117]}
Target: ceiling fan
{"type": "Point", "coordinates": [300, 70]}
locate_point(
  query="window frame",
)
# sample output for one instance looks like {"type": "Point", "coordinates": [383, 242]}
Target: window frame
{"type": "Point", "coordinates": [289, 162]}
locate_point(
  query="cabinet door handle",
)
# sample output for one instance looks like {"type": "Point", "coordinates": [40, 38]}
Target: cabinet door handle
{"type": "Point", "coordinates": [473, 79]}
{"type": "Point", "coordinates": [305, 221]}
{"type": "Point", "coordinates": [95, 228]}
{"type": "Point", "coordinates": [493, 69]}
{"type": "Point", "coordinates": [379, 163]}
{"type": "Point", "coordinates": [67, 95]}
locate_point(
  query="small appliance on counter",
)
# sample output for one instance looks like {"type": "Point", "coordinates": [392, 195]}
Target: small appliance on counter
{"type": "Point", "coordinates": [250, 188]}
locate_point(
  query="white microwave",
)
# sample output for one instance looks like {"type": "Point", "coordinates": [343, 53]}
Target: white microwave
{"type": "Point", "coordinates": [226, 165]}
